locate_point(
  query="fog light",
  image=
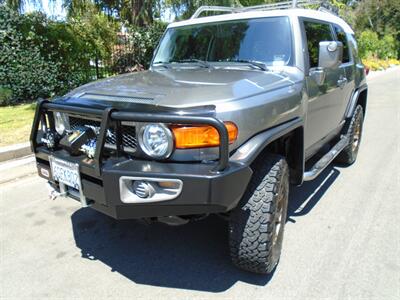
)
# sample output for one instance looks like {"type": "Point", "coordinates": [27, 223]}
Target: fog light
{"type": "Point", "coordinates": [143, 189]}
{"type": "Point", "coordinates": [148, 190]}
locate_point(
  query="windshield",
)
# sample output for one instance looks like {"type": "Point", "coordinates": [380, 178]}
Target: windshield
{"type": "Point", "coordinates": [266, 40]}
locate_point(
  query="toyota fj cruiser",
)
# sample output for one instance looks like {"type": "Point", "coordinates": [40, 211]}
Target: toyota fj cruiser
{"type": "Point", "coordinates": [233, 109]}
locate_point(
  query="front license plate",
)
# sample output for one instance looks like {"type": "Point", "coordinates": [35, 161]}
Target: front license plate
{"type": "Point", "coordinates": [65, 172]}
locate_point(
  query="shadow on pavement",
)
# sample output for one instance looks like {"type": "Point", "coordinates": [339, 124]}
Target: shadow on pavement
{"type": "Point", "coordinates": [194, 256]}
{"type": "Point", "coordinates": [302, 199]}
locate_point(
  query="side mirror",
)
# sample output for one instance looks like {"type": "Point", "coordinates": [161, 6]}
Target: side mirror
{"type": "Point", "coordinates": [330, 54]}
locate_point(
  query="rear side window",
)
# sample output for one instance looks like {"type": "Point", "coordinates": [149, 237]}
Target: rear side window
{"type": "Point", "coordinates": [316, 32]}
{"type": "Point", "coordinates": [341, 37]}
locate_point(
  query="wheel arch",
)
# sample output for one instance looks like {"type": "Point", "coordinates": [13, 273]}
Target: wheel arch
{"type": "Point", "coordinates": [362, 99]}
{"type": "Point", "coordinates": [286, 139]}
{"type": "Point", "coordinates": [359, 96]}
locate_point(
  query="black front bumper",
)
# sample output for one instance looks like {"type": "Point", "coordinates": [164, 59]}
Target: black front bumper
{"type": "Point", "coordinates": [202, 191]}
{"type": "Point", "coordinates": [215, 187]}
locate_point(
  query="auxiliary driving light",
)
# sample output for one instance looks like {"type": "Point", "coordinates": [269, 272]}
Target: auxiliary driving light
{"type": "Point", "coordinates": [61, 122]}
{"type": "Point", "coordinates": [51, 139]}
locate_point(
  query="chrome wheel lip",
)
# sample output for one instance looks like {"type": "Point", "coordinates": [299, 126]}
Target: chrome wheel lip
{"type": "Point", "coordinates": [278, 219]}
{"type": "Point", "coordinates": [278, 225]}
{"type": "Point", "coordinates": [356, 137]}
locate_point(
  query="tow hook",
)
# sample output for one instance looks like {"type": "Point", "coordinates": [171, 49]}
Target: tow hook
{"type": "Point", "coordinates": [53, 193]}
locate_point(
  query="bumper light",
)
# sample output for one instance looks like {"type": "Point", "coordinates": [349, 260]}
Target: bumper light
{"type": "Point", "coordinates": [143, 189]}
{"type": "Point", "coordinates": [147, 189]}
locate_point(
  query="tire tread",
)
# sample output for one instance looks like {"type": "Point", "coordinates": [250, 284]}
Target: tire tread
{"type": "Point", "coordinates": [251, 228]}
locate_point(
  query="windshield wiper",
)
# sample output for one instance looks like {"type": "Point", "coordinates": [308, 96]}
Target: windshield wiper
{"type": "Point", "coordinates": [259, 64]}
{"type": "Point", "coordinates": [189, 60]}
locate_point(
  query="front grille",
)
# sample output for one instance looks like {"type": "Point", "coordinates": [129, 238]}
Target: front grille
{"type": "Point", "coordinates": [129, 141]}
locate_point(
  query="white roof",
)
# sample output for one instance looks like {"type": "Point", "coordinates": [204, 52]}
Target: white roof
{"type": "Point", "coordinates": [295, 12]}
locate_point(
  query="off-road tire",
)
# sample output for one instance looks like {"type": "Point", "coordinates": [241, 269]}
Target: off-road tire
{"type": "Point", "coordinates": [349, 154]}
{"type": "Point", "coordinates": [257, 224]}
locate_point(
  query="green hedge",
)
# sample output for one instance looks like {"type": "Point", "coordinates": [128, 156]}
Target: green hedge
{"type": "Point", "coordinates": [42, 58]}
{"type": "Point", "coordinates": [24, 70]}
{"type": "Point", "coordinates": [371, 45]}
{"type": "Point", "coordinates": [140, 43]}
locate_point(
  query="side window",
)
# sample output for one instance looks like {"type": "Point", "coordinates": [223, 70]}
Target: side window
{"type": "Point", "coordinates": [354, 48]}
{"type": "Point", "coordinates": [341, 37]}
{"type": "Point", "coordinates": [315, 33]}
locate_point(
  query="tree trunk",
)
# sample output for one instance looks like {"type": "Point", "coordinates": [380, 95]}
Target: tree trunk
{"type": "Point", "coordinates": [97, 67]}
{"type": "Point", "coordinates": [141, 12]}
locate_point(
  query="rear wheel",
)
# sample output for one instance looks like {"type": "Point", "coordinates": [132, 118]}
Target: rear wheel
{"type": "Point", "coordinates": [349, 153]}
{"type": "Point", "coordinates": [257, 224]}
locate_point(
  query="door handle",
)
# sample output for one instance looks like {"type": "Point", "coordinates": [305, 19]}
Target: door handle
{"type": "Point", "coordinates": [342, 82]}
{"type": "Point", "coordinates": [318, 74]}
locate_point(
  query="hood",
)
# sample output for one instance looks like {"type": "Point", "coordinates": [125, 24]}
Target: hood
{"type": "Point", "coordinates": [180, 87]}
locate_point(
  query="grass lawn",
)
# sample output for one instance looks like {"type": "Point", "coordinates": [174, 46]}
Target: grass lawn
{"type": "Point", "coordinates": [15, 123]}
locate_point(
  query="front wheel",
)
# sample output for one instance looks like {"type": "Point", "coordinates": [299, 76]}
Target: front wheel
{"type": "Point", "coordinates": [257, 224]}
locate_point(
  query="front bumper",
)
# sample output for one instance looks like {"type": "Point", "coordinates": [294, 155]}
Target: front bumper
{"type": "Point", "coordinates": [214, 187]}
{"type": "Point", "coordinates": [202, 191]}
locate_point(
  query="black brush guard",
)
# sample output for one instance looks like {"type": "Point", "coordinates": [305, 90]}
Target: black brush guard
{"type": "Point", "coordinates": [110, 114]}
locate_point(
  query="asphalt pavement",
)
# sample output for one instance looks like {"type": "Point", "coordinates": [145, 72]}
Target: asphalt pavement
{"type": "Point", "coordinates": [342, 239]}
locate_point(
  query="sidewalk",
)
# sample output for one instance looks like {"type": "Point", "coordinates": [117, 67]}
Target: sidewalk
{"type": "Point", "coordinates": [17, 168]}
{"type": "Point", "coordinates": [374, 74]}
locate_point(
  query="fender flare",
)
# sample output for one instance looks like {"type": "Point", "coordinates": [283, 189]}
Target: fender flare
{"type": "Point", "coordinates": [250, 150]}
{"type": "Point", "coordinates": [353, 101]}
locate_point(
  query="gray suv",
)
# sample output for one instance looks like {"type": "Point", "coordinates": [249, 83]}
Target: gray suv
{"type": "Point", "coordinates": [234, 108]}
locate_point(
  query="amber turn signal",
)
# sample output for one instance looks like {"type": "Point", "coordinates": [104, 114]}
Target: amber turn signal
{"type": "Point", "coordinates": [201, 136]}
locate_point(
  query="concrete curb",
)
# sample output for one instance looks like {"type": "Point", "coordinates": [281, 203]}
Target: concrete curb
{"type": "Point", "coordinates": [15, 151]}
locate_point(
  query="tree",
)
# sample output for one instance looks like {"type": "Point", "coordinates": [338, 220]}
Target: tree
{"type": "Point", "coordinates": [134, 12]}
{"type": "Point", "coordinates": [184, 9]}
{"type": "Point", "coordinates": [381, 16]}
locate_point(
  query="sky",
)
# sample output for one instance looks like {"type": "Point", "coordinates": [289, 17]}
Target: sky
{"type": "Point", "coordinates": [51, 8]}
{"type": "Point", "coordinates": [55, 10]}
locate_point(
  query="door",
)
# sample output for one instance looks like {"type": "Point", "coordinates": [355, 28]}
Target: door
{"type": "Point", "coordinates": [325, 100]}
{"type": "Point", "coordinates": [348, 70]}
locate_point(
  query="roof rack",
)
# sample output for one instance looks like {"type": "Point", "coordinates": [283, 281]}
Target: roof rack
{"type": "Point", "coordinates": [321, 5]}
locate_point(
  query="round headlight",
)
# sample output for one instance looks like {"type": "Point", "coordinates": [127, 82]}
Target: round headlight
{"type": "Point", "coordinates": [60, 122]}
{"type": "Point", "coordinates": [156, 140]}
